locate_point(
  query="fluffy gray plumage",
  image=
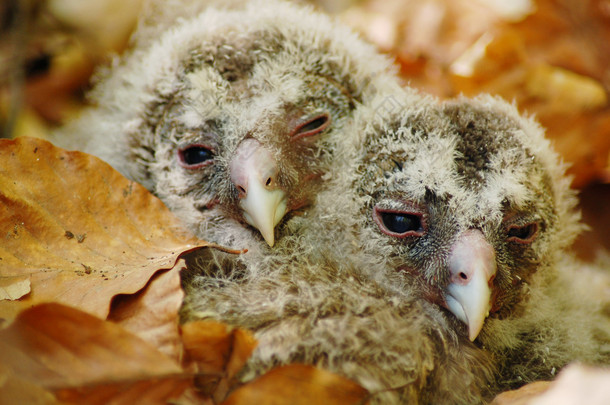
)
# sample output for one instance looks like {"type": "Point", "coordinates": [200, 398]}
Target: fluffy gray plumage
{"type": "Point", "coordinates": [310, 310]}
{"type": "Point", "coordinates": [471, 175]}
{"type": "Point", "coordinates": [180, 113]}
{"type": "Point", "coordinates": [348, 294]}
{"type": "Point", "coordinates": [360, 280]}
{"type": "Point", "coordinates": [312, 300]}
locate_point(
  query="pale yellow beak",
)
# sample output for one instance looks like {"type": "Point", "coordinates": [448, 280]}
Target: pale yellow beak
{"type": "Point", "coordinates": [254, 172]}
{"type": "Point", "coordinates": [472, 266]}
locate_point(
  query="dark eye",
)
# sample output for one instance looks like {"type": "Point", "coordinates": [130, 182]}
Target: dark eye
{"type": "Point", "coordinates": [195, 156]}
{"type": "Point", "coordinates": [399, 223]}
{"type": "Point", "coordinates": [312, 127]}
{"type": "Point", "coordinates": [523, 233]}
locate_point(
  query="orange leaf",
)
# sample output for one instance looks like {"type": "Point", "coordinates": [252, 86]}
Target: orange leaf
{"type": "Point", "coordinates": [14, 390]}
{"type": "Point", "coordinates": [80, 231]}
{"type": "Point", "coordinates": [86, 360]}
{"type": "Point", "coordinates": [150, 391]}
{"type": "Point", "coordinates": [12, 288]}
{"type": "Point", "coordinates": [152, 314]}
{"type": "Point", "coordinates": [299, 384]}
{"type": "Point", "coordinates": [217, 351]}
{"type": "Point", "coordinates": [523, 395]}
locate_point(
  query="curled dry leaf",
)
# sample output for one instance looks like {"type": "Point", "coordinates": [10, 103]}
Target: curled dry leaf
{"type": "Point", "coordinates": [217, 352]}
{"type": "Point", "coordinates": [152, 314]}
{"type": "Point", "coordinates": [299, 384]}
{"type": "Point", "coordinates": [15, 390]}
{"type": "Point", "coordinates": [552, 57]}
{"type": "Point", "coordinates": [83, 359]}
{"type": "Point", "coordinates": [14, 288]}
{"type": "Point", "coordinates": [83, 235]}
{"type": "Point", "coordinates": [523, 395]}
{"type": "Point", "coordinates": [575, 384]}
{"type": "Point", "coordinates": [79, 230]}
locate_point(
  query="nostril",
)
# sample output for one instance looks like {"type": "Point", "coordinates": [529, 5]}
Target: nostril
{"type": "Point", "coordinates": [268, 182]}
{"type": "Point", "coordinates": [241, 189]}
{"type": "Point", "coordinates": [461, 276]}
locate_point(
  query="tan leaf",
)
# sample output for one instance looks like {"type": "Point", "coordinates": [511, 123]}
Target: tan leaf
{"type": "Point", "coordinates": [81, 231]}
{"type": "Point", "coordinates": [86, 360]}
{"type": "Point", "coordinates": [577, 384]}
{"type": "Point", "coordinates": [299, 384]}
{"type": "Point", "coordinates": [14, 390]}
{"type": "Point", "coordinates": [152, 314]}
{"type": "Point", "coordinates": [13, 288]}
{"type": "Point", "coordinates": [551, 57]}
{"type": "Point", "coordinates": [150, 391]}
{"type": "Point", "coordinates": [218, 352]}
{"type": "Point", "coordinates": [523, 395]}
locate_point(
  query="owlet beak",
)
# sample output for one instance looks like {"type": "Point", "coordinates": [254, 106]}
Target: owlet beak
{"type": "Point", "coordinates": [472, 266]}
{"type": "Point", "coordinates": [254, 172]}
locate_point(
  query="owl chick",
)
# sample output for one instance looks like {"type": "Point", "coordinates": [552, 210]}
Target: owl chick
{"type": "Point", "coordinates": [312, 311]}
{"type": "Point", "coordinates": [468, 201]}
{"type": "Point", "coordinates": [433, 267]}
{"type": "Point", "coordinates": [231, 116]}
{"type": "Point", "coordinates": [312, 300]}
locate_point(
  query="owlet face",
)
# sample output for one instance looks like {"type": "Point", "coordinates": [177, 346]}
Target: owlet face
{"type": "Point", "coordinates": [464, 194]}
{"type": "Point", "coordinates": [243, 120]}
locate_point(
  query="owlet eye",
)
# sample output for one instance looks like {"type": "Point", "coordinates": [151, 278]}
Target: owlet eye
{"type": "Point", "coordinates": [523, 234]}
{"type": "Point", "coordinates": [195, 156]}
{"type": "Point", "coordinates": [311, 127]}
{"type": "Point", "coordinates": [399, 223]}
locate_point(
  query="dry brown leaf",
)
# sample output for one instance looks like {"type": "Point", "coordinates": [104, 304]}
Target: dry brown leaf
{"type": "Point", "coordinates": [152, 314]}
{"type": "Point", "coordinates": [594, 206]}
{"type": "Point", "coordinates": [552, 57]}
{"type": "Point", "coordinates": [80, 231]}
{"type": "Point", "coordinates": [299, 384]}
{"type": "Point", "coordinates": [577, 384]}
{"type": "Point", "coordinates": [109, 22]}
{"type": "Point", "coordinates": [150, 391]}
{"type": "Point", "coordinates": [14, 390]}
{"type": "Point", "coordinates": [523, 395]}
{"type": "Point", "coordinates": [218, 352]}
{"type": "Point", "coordinates": [86, 360]}
{"type": "Point", "coordinates": [14, 288]}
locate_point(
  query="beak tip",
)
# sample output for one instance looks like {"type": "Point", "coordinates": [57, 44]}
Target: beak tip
{"type": "Point", "coordinates": [473, 333]}
{"type": "Point", "coordinates": [270, 241]}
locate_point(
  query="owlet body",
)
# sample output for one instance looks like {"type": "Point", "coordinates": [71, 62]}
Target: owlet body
{"type": "Point", "coordinates": [231, 115]}
{"type": "Point", "coordinates": [314, 300]}
{"type": "Point", "coordinates": [433, 268]}
{"type": "Point", "coordinates": [468, 200]}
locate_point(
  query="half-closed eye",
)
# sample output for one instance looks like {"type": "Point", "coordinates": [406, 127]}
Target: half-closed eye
{"type": "Point", "coordinates": [399, 224]}
{"type": "Point", "coordinates": [311, 127]}
{"type": "Point", "coordinates": [523, 234]}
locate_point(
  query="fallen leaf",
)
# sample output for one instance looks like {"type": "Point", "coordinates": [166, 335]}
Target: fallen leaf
{"type": "Point", "coordinates": [577, 384]}
{"type": "Point", "coordinates": [564, 89]}
{"type": "Point", "coordinates": [152, 314]}
{"type": "Point", "coordinates": [84, 359]}
{"type": "Point", "coordinates": [552, 58]}
{"type": "Point", "coordinates": [299, 384]}
{"type": "Point", "coordinates": [80, 231]}
{"type": "Point", "coordinates": [594, 207]}
{"type": "Point", "coordinates": [217, 352]}
{"type": "Point", "coordinates": [13, 288]}
{"type": "Point", "coordinates": [14, 390]}
{"type": "Point", "coordinates": [150, 391]}
{"type": "Point", "coordinates": [523, 395]}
